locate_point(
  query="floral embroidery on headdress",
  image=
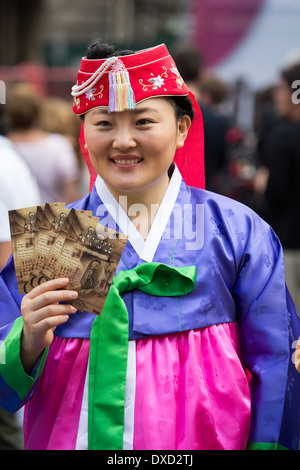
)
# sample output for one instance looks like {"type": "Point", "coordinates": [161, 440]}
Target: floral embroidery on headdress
{"type": "Point", "coordinates": [156, 82]}
{"type": "Point", "coordinates": [90, 94]}
{"type": "Point", "coordinates": [179, 80]}
{"type": "Point", "coordinates": [76, 102]}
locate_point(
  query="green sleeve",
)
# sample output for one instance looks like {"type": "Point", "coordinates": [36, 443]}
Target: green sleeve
{"type": "Point", "coordinates": [11, 368]}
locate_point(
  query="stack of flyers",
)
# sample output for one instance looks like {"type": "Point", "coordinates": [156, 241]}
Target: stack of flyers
{"type": "Point", "coordinates": [51, 241]}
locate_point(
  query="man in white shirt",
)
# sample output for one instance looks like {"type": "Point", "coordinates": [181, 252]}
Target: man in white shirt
{"type": "Point", "coordinates": [18, 189]}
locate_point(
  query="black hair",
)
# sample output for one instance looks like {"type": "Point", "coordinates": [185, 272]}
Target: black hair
{"type": "Point", "coordinates": [291, 74]}
{"type": "Point", "coordinates": [183, 106]}
{"type": "Point", "coordinates": [99, 50]}
{"type": "Point", "coordinates": [4, 123]}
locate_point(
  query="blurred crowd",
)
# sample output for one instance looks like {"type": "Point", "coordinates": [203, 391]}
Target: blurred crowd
{"type": "Point", "coordinates": [41, 161]}
{"type": "Point", "coordinates": [260, 165]}
{"type": "Point", "coordinates": [40, 157]}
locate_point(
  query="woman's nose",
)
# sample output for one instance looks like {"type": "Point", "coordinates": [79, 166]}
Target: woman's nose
{"type": "Point", "coordinates": [124, 139]}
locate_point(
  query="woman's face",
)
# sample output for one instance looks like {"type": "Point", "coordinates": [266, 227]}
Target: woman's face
{"type": "Point", "coordinates": [132, 150]}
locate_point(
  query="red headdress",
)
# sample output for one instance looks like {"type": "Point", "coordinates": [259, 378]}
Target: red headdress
{"type": "Point", "coordinates": [118, 83]}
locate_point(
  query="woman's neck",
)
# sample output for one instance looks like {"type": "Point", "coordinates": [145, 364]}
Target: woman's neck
{"type": "Point", "coordinates": [141, 206]}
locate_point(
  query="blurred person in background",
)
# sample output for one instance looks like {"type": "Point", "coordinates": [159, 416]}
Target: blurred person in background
{"type": "Point", "coordinates": [57, 117]}
{"type": "Point", "coordinates": [282, 186]}
{"type": "Point", "coordinates": [209, 91]}
{"type": "Point", "coordinates": [50, 156]}
{"type": "Point", "coordinates": [189, 61]}
{"type": "Point", "coordinates": [18, 189]}
{"type": "Point", "coordinates": [213, 92]}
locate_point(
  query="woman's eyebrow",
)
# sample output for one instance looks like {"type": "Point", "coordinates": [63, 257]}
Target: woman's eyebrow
{"type": "Point", "coordinates": [99, 111]}
{"type": "Point", "coordinates": [134, 111]}
{"type": "Point", "coordinates": [144, 110]}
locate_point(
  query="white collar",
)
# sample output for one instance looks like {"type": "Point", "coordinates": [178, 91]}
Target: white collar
{"type": "Point", "coordinates": [144, 248]}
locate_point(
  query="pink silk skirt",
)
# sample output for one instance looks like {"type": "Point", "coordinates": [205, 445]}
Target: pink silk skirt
{"type": "Point", "coordinates": [192, 392]}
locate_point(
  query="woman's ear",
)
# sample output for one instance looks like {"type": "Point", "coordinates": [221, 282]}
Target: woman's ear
{"type": "Point", "coordinates": [183, 129]}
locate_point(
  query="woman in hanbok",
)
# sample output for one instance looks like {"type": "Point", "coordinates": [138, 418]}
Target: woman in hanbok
{"type": "Point", "coordinates": [193, 349]}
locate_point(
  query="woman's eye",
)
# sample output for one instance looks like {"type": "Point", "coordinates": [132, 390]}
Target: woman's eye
{"type": "Point", "coordinates": [144, 121]}
{"type": "Point", "coordinates": [103, 124]}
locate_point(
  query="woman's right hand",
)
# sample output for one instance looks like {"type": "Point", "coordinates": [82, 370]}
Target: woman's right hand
{"type": "Point", "coordinates": [42, 313]}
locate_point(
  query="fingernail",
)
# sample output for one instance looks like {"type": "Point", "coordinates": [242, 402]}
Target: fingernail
{"type": "Point", "coordinates": [64, 280]}
{"type": "Point", "coordinates": [74, 294]}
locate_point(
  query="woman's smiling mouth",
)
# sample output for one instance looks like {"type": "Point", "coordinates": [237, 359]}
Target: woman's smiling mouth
{"type": "Point", "coordinates": [126, 160]}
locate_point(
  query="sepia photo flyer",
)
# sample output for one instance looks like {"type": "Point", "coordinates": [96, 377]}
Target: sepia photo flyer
{"type": "Point", "coordinates": [51, 220]}
{"type": "Point", "coordinates": [89, 258]}
{"type": "Point", "coordinates": [23, 229]}
{"type": "Point", "coordinates": [51, 241]}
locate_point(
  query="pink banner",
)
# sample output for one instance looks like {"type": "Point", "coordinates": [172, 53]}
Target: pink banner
{"type": "Point", "coordinates": [220, 25]}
